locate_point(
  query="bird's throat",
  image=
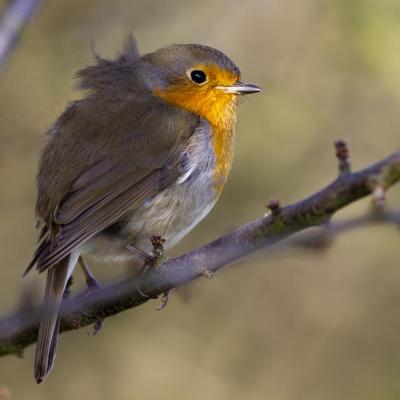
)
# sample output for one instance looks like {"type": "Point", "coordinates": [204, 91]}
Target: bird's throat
{"type": "Point", "coordinates": [219, 109]}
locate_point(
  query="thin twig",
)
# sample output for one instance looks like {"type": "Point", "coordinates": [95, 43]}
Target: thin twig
{"type": "Point", "coordinates": [15, 18]}
{"type": "Point", "coordinates": [343, 155]}
{"type": "Point", "coordinates": [19, 330]}
{"type": "Point", "coordinates": [322, 237]}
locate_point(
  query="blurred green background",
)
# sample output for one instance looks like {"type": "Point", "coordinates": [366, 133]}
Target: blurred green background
{"type": "Point", "coordinates": [285, 325]}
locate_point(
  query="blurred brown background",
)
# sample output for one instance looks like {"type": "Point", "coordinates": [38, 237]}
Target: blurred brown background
{"type": "Point", "coordinates": [283, 325]}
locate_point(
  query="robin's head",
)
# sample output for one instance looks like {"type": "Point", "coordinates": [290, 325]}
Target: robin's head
{"type": "Point", "coordinates": [197, 78]}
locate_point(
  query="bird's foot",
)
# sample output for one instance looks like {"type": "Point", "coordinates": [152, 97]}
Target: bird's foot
{"type": "Point", "coordinates": [91, 281]}
{"type": "Point", "coordinates": [92, 284]}
{"type": "Point", "coordinates": [147, 259]}
{"type": "Point", "coordinates": [67, 290]}
{"type": "Point", "coordinates": [164, 300]}
{"type": "Point", "coordinates": [97, 327]}
{"type": "Point", "coordinates": [150, 260]}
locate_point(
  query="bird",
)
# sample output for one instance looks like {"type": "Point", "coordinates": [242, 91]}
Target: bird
{"type": "Point", "coordinates": [146, 150]}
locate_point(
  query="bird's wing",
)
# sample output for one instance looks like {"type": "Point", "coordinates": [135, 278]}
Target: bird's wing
{"type": "Point", "coordinates": [106, 190]}
{"type": "Point", "coordinates": [85, 212]}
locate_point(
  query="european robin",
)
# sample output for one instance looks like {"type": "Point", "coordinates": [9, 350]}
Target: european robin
{"type": "Point", "coordinates": [146, 151]}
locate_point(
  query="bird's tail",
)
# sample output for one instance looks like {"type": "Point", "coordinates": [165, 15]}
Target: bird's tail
{"type": "Point", "coordinates": [57, 277]}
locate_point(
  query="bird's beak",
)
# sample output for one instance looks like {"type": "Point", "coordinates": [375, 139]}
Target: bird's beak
{"type": "Point", "coordinates": [240, 88]}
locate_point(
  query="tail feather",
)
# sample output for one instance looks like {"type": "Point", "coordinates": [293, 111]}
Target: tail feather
{"type": "Point", "coordinates": [57, 277]}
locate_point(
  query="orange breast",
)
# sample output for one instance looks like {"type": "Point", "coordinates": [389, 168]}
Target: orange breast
{"type": "Point", "coordinates": [223, 144]}
{"type": "Point", "coordinates": [219, 109]}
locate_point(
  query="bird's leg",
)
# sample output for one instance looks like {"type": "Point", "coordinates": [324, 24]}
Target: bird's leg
{"type": "Point", "coordinates": [158, 251]}
{"type": "Point", "coordinates": [145, 257]}
{"type": "Point", "coordinates": [159, 255]}
{"type": "Point", "coordinates": [154, 260]}
{"type": "Point", "coordinates": [67, 290]}
{"type": "Point", "coordinates": [92, 284]}
{"type": "Point", "coordinates": [91, 281]}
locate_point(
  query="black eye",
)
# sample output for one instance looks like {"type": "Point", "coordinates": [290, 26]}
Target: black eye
{"type": "Point", "coordinates": [198, 76]}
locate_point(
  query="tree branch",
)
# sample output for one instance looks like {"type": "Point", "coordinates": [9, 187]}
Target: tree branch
{"type": "Point", "coordinates": [13, 21]}
{"type": "Point", "coordinates": [323, 237]}
{"type": "Point", "coordinates": [19, 330]}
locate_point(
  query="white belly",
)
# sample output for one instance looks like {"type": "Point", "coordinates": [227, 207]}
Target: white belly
{"type": "Point", "coordinates": [173, 213]}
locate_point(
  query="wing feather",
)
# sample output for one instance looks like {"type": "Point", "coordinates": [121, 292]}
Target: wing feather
{"type": "Point", "coordinates": [102, 214]}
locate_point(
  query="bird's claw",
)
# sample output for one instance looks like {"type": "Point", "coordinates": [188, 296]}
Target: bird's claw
{"type": "Point", "coordinates": [98, 325]}
{"type": "Point", "coordinates": [164, 300]}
